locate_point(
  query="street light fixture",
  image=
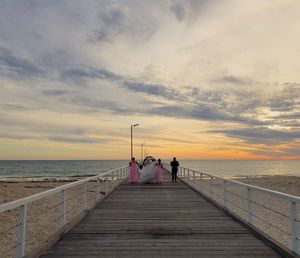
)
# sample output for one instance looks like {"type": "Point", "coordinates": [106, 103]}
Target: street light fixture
{"type": "Point", "coordinates": [131, 127]}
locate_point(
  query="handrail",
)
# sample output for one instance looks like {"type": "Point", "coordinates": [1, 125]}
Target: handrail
{"type": "Point", "coordinates": [251, 210]}
{"type": "Point", "coordinates": [281, 195]}
{"type": "Point", "coordinates": [26, 200]}
{"type": "Point", "coordinates": [92, 187]}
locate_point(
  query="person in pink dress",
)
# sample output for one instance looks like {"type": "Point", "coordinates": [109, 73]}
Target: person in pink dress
{"type": "Point", "coordinates": [159, 170]}
{"type": "Point", "coordinates": [133, 171]}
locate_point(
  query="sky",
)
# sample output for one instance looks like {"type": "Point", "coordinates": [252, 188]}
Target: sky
{"type": "Point", "coordinates": [205, 79]}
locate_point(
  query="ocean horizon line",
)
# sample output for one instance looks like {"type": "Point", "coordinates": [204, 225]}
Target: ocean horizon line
{"type": "Point", "coordinates": [284, 159]}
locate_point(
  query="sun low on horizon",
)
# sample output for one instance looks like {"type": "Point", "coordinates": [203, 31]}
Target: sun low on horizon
{"type": "Point", "coordinates": [204, 79]}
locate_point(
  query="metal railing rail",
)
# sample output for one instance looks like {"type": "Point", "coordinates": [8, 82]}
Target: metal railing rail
{"type": "Point", "coordinates": [255, 205]}
{"type": "Point", "coordinates": [82, 195]}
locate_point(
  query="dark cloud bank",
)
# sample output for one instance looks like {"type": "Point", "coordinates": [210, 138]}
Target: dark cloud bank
{"type": "Point", "coordinates": [17, 66]}
{"type": "Point", "coordinates": [214, 106]}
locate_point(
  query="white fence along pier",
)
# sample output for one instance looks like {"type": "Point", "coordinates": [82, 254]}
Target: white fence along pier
{"type": "Point", "coordinates": [38, 217]}
{"type": "Point", "coordinates": [275, 214]}
{"type": "Point", "coordinates": [30, 224]}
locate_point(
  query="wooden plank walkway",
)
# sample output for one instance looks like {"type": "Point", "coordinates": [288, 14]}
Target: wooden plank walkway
{"type": "Point", "coordinates": [148, 220]}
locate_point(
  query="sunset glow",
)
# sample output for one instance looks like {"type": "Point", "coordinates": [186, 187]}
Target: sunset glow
{"type": "Point", "coordinates": [207, 79]}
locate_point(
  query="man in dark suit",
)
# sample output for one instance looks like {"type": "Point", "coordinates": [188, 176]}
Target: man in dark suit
{"type": "Point", "coordinates": [174, 164]}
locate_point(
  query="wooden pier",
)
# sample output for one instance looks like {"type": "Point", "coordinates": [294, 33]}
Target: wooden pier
{"type": "Point", "coordinates": [167, 220]}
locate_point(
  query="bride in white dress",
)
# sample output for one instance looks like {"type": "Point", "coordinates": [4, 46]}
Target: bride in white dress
{"type": "Point", "coordinates": [147, 174]}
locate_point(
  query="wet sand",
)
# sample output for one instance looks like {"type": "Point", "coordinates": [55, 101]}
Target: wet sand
{"type": "Point", "coordinates": [285, 184]}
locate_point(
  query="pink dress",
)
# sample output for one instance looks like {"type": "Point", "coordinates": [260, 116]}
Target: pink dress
{"type": "Point", "coordinates": [133, 173]}
{"type": "Point", "coordinates": [159, 173]}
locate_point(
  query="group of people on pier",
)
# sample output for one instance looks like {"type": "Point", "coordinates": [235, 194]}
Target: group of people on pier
{"type": "Point", "coordinates": [150, 170]}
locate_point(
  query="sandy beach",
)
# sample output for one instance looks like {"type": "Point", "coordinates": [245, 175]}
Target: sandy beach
{"type": "Point", "coordinates": [43, 216]}
{"type": "Point", "coordinates": [285, 184]}
{"type": "Point", "coordinates": [48, 221]}
{"type": "Point", "coordinates": [269, 213]}
{"type": "Point", "coordinates": [268, 210]}
{"type": "Point", "coordinates": [10, 191]}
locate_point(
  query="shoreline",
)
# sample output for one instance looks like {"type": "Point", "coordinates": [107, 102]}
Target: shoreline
{"type": "Point", "coordinates": [44, 178]}
{"type": "Point", "coordinates": [7, 179]}
{"type": "Point", "coordinates": [236, 177]}
{"type": "Point", "coordinates": [280, 183]}
{"type": "Point", "coordinates": [13, 188]}
{"type": "Point", "coordinates": [41, 179]}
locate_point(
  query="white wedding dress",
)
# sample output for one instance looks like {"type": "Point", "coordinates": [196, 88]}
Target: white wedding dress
{"type": "Point", "coordinates": [147, 174]}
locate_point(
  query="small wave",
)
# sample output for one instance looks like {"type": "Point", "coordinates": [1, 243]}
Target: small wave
{"type": "Point", "coordinates": [40, 179]}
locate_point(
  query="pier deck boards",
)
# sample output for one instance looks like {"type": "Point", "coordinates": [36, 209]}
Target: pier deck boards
{"type": "Point", "coordinates": [148, 220]}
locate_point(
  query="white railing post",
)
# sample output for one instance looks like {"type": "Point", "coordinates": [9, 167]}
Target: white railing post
{"type": "Point", "coordinates": [194, 178]}
{"type": "Point", "coordinates": [21, 230]}
{"type": "Point", "coordinates": [225, 193]}
{"type": "Point", "coordinates": [294, 228]}
{"type": "Point", "coordinates": [84, 196]}
{"type": "Point", "coordinates": [111, 183]}
{"type": "Point", "coordinates": [112, 175]}
{"type": "Point", "coordinates": [98, 189]}
{"type": "Point", "coordinates": [106, 184]}
{"type": "Point", "coordinates": [249, 206]}
{"type": "Point", "coordinates": [63, 211]}
{"type": "Point", "coordinates": [211, 187]}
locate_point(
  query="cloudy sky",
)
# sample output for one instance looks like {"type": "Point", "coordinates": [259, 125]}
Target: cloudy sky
{"type": "Point", "coordinates": [205, 79]}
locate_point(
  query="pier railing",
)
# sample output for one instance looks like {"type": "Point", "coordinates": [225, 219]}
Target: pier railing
{"type": "Point", "coordinates": [27, 224]}
{"type": "Point", "coordinates": [275, 214]}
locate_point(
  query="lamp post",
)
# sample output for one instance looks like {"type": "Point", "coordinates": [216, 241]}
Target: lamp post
{"type": "Point", "coordinates": [142, 153]}
{"type": "Point", "coordinates": [131, 127]}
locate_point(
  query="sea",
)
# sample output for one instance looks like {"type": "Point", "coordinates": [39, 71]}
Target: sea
{"type": "Point", "coordinates": [45, 169]}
